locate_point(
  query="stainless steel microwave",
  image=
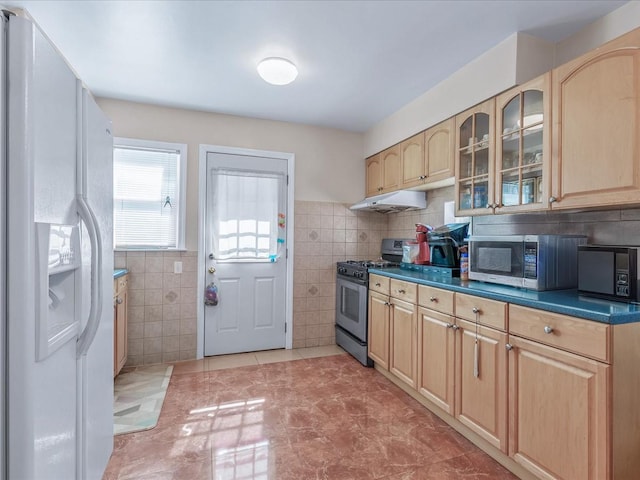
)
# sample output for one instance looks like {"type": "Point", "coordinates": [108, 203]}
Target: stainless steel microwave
{"type": "Point", "coordinates": [608, 271]}
{"type": "Point", "coordinates": [538, 262]}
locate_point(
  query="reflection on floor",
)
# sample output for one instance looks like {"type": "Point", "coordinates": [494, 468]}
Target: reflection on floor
{"type": "Point", "coordinates": [314, 418]}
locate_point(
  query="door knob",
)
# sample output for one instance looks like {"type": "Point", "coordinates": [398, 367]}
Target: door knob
{"type": "Point", "coordinates": [119, 301]}
{"type": "Point", "coordinates": [212, 270]}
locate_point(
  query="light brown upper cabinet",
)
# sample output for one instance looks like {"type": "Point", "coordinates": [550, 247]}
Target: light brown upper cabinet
{"type": "Point", "coordinates": [390, 161]}
{"type": "Point", "coordinates": [383, 171]}
{"type": "Point", "coordinates": [374, 176]}
{"type": "Point", "coordinates": [439, 149]}
{"type": "Point", "coordinates": [412, 161]}
{"type": "Point", "coordinates": [475, 155]}
{"type": "Point", "coordinates": [523, 147]}
{"type": "Point", "coordinates": [428, 156]}
{"type": "Point", "coordinates": [596, 127]}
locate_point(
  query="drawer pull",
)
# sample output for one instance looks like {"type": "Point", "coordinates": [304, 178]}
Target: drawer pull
{"type": "Point", "coordinates": [119, 301]}
{"type": "Point", "coordinates": [509, 347]}
{"type": "Point", "coordinates": [377, 284]}
{"type": "Point", "coordinates": [548, 329]}
{"type": "Point", "coordinates": [433, 299]}
{"type": "Point", "coordinates": [402, 291]}
{"type": "Point", "coordinates": [475, 310]}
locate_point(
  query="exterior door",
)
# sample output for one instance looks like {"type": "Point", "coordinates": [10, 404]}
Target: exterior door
{"type": "Point", "coordinates": [245, 253]}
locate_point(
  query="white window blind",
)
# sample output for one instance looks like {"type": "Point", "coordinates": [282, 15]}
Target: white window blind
{"type": "Point", "coordinates": [148, 189]}
{"type": "Point", "coordinates": [246, 208]}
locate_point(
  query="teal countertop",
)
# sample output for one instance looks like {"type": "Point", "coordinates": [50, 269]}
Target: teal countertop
{"type": "Point", "coordinates": [566, 302]}
{"type": "Point", "coordinates": [119, 272]}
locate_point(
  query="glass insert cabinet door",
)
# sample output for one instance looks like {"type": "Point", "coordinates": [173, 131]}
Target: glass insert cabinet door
{"type": "Point", "coordinates": [475, 157]}
{"type": "Point", "coordinates": [522, 150]}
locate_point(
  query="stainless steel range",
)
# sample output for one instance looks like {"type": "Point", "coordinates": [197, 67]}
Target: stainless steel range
{"type": "Point", "coordinates": [352, 285]}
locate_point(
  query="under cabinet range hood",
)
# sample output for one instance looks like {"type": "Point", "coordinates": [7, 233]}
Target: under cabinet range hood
{"type": "Point", "coordinates": [393, 202]}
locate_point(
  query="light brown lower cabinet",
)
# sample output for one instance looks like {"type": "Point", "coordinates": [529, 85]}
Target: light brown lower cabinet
{"type": "Point", "coordinates": [120, 307]}
{"type": "Point", "coordinates": [436, 345]}
{"type": "Point", "coordinates": [559, 412]}
{"type": "Point", "coordinates": [378, 336]}
{"type": "Point", "coordinates": [403, 329]}
{"type": "Point", "coordinates": [481, 382]}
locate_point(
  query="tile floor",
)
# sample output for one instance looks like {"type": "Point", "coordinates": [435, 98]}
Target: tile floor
{"type": "Point", "coordinates": [257, 417]}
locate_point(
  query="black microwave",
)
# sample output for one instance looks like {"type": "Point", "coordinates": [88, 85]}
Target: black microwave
{"type": "Point", "coordinates": [609, 271]}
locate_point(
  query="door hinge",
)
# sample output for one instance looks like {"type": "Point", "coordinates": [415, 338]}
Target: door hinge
{"type": "Point", "coordinates": [285, 327]}
{"type": "Point", "coordinates": [286, 253]}
{"type": "Point", "coordinates": [287, 179]}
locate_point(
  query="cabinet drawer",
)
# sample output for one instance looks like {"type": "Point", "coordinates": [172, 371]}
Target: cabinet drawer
{"type": "Point", "coordinates": [584, 337]}
{"type": "Point", "coordinates": [402, 290]}
{"type": "Point", "coordinates": [379, 284]}
{"type": "Point", "coordinates": [490, 312]}
{"type": "Point", "coordinates": [436, 299]}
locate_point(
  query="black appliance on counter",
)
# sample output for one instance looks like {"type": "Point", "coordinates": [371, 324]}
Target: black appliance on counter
{"type": "Point", "coordinates": [445, 243]}
{"type": "Point", "coordinates": [611, 272]}
{"type": "Point", "coordinates": [352, 286]}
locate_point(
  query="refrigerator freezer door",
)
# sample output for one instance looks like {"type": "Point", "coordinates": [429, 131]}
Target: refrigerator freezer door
{"type": "Point", "coordinates": [96, 367]}
{"type": "Point", "coordinates": [41, 167]}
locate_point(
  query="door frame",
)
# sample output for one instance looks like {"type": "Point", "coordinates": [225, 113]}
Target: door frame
{"type": "Point", "coordinates": [202, 199]}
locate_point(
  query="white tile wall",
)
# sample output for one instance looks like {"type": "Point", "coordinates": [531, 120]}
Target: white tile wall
{"type": "Point", "coordinates": [162, 308]}
{"type": "Point", "coordinates": [326, 233]}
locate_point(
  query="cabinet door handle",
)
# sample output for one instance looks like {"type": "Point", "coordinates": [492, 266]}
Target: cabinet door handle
{"type": "Point", "coordinates": [386, 304]}
{"type": "Point", "coordinates": [449, 325]}
{"type": "Point", "coordinates": [509, 347]}
{"type": "Point", "coordinates": [119, 301]}
{"type": "Point", "coordinates": [433, 299]}
{"type": "Point", "coordinates": [455, 328]}
{"type": "Point", "coordinates": [548, 329]}
{"type": "Point", "coordinates": [552, 199]}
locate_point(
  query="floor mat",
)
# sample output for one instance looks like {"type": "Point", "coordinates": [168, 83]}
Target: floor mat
{"type": "Point", "coordinates": [138, 398]}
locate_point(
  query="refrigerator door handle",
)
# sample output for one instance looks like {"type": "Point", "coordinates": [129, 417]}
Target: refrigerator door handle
{"type": "Point", "coordinates": [89, 332]}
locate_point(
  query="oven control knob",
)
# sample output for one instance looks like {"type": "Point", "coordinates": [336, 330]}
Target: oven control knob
{"type": "Point", "coordinates": [359, 274]}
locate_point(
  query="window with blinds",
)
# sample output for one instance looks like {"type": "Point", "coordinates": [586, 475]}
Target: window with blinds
{"type": "Point", "coordinates": [148, 194]}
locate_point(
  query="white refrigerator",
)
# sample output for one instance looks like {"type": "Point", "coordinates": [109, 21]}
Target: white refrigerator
{"type": "Point", "coordinates": [56, 264]}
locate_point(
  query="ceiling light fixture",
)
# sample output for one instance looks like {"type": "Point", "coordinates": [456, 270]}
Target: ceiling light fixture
{"type": "Point", "coordinates": [277, 71]}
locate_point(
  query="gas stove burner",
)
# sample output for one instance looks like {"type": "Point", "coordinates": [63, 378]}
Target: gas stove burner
{"type": "Point", "coordinates": [365, 264]}
{"type": "Point", "coordinates": [380, 264]}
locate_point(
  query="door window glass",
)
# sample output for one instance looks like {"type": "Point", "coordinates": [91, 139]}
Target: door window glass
{"type": "Point", "coordinates": [248, 215]}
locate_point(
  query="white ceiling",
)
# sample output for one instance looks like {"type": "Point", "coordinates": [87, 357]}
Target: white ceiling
{"type": "Point", "coordinates": [359, 61]}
